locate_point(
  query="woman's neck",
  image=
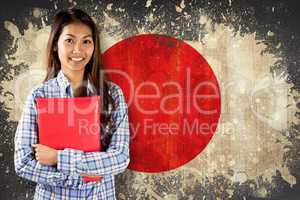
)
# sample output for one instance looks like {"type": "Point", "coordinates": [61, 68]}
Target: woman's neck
{"type": "Point", "coordinates": [75, 78]}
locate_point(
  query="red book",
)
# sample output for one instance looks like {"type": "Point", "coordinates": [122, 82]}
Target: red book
{"type": "Point", "coordinates": [70, 123]}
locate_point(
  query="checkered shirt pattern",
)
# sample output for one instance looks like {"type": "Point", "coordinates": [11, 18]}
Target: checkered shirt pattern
{"type": "Point", "coordinates": [63, 181]}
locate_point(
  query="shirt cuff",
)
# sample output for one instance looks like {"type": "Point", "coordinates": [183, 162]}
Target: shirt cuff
{"type": "Point", "coordinates": [67, 161]}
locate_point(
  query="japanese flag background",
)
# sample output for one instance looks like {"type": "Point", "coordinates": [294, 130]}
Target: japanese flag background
{"type": "Point", "coordinates": [212, 89]}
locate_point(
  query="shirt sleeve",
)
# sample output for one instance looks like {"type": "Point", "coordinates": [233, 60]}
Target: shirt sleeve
{"type": "Point", "coordinates": [111, 162]}
{"type": "Point", "coordinates": [26, 166]}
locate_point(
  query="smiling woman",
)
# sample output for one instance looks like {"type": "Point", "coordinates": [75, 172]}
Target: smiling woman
{"type": "Point", "coordinates": [73, 70]}
{"type": "Point", "coordinates": [75, 48]}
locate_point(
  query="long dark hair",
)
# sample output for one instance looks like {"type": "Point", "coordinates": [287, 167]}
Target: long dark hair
{"type": "Point", "coordinates": [93, 70]}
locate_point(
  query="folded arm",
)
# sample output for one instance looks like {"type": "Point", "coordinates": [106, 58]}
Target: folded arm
{"type": "Point", "coordinates": [114, 160]}
{"type": "Point", "coordinates": [26, 165]}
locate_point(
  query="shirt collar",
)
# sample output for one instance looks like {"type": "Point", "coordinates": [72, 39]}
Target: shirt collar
{"type": "Point", "coordinates": [65, 85]}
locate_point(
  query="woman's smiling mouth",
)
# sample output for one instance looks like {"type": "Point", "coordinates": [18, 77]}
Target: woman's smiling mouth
{"type": "Point", "coordinates": [77, 59]}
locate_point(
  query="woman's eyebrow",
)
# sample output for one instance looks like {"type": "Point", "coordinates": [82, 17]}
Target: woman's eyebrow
{"type": "Point", "coordinates": [68, 34]}
{"type": "Point", "coordinates": [87, 36]}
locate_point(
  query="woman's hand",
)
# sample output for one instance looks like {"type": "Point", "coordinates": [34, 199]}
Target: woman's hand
{"type": "Point", "coordinates": [45, 155]}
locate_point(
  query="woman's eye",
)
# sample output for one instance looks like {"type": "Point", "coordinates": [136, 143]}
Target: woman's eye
{"type": "Point", "coordinates": [69, 40]}
{"type": "Point", "coordinates": [87, 41]}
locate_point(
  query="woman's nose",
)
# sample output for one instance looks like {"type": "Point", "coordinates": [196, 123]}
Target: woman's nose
{"type": "Point", "coordinates": [77, 47]}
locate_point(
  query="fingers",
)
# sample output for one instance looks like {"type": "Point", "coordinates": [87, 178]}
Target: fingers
{"type": "Point", "coordinates": [37, 156]}
{"type": "Point", "coordinates": [36, 147]}
{"type": "Point", "coordinates": [41, 153]}
{"type": "Point", "coordinates": [36, 150]}
{"type": "Point", "coordinates": [40, 146]}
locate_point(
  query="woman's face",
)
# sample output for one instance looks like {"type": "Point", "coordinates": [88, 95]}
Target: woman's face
{"type": "Point", "coordinates": [75, 47]}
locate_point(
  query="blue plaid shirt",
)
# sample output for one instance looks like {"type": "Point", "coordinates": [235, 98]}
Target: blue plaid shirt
{"type": "Point", "coordinates": [63, 181]}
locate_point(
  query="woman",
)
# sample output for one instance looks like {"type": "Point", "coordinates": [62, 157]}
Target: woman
{"type": "Point", "coordinates": [74, 70]}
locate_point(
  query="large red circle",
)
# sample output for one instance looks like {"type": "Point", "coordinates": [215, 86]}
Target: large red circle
{"type": "Point", "coordinates": [173, 98]}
